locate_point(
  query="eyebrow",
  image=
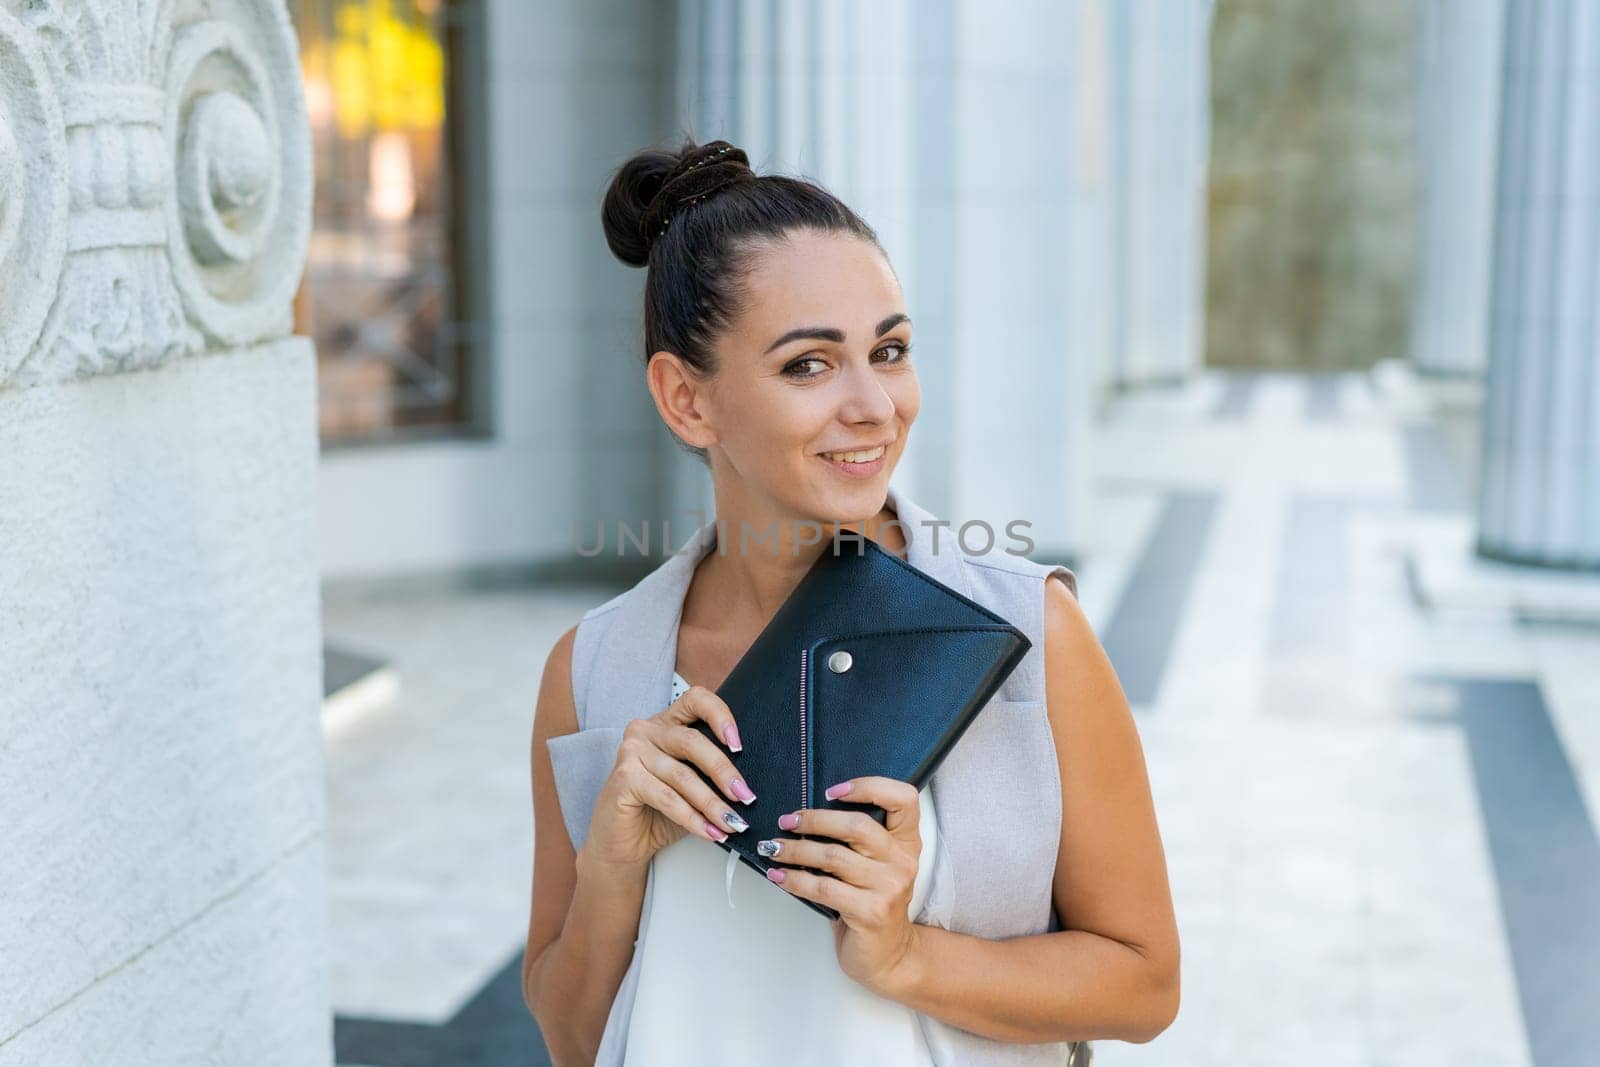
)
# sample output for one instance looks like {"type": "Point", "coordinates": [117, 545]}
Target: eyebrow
{"type": "Point", "coordinates": [834, 334]}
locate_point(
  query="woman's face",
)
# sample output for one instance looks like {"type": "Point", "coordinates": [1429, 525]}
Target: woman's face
{"type": "Point", "coordinates": [817, 364]}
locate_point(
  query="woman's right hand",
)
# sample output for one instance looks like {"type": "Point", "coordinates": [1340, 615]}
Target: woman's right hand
{"type": "Point", "coordinates": [653, 797]}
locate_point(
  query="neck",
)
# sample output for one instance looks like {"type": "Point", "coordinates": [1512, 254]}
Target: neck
{"type": "Point", "coordinates": [761, 554]}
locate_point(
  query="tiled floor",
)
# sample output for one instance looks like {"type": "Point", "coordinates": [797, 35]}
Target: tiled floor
{"type": "Point", "coordinates": [1378, 823]}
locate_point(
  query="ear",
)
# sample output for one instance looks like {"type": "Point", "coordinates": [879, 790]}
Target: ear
{"type": "Point", "coordinates": [680, 396]}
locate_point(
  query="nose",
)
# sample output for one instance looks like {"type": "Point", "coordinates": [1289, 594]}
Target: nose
{"type": "Point", "coordinates": [865, 399]}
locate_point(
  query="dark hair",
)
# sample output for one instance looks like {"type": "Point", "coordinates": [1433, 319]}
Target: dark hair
{"type": "Point", "coordinates": [692, 217]}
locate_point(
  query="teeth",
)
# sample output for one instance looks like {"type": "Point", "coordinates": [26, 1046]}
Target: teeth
{"type": "Point", "coordinates": [856, 457]}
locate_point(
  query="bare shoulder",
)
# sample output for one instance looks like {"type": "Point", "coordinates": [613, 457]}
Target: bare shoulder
{"type": "Point", "coordinates": [1087, 706]}
{"type": "Point", "coordinates": [556, 713]}
{"type": "Point", "coordinates": [1061, 602]}
{"type": "Point", "coordinates": [1076, 666]}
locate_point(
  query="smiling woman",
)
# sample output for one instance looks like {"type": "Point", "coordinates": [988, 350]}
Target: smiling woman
{"type": "Point", "coordinates": [722, 284]}
{"type": "Point", "coordinates": [776, 336]}
{"type": "Point", "coordinates": [973, 927]}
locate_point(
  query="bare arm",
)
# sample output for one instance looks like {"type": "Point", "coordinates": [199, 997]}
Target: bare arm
{"type": "Point", "coordinates": [1113, 971]}
{"type": "Point", "coordinates": [584, 916]}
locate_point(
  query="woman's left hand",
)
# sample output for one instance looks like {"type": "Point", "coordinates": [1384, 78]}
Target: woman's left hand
{"type": "Point", "coordinates": [869, 878]}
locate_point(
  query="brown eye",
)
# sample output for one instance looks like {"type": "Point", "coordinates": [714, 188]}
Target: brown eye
{"type": "Point", "coordinates": [792, 370]}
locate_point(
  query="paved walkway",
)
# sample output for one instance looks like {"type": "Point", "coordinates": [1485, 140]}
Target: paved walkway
{"type": "Point", "coordinates": [1377, 820]}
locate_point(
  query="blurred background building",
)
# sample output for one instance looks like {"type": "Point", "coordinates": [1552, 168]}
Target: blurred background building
{"type": "Point", "coordinates": [1296, 306]}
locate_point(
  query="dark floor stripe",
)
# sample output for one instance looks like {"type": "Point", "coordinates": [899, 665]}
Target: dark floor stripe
{"type": "Point", "coordinates": [493, 1029]}
{"type": "Point", "coordinates": [1322, 395]}
{"type": "Point", "coordinates": [1546, 861]}
{"type": "Point", "coordinates": [1237, 397]}
{"type": "Point", "coordinates": [1311, 612]}
{"type": "Point", "coordinates": [342, 667]}
{"type": "Point", "coordinates": [1435, 483]}
{"type": "Point", "coordinates": [1138, 638]}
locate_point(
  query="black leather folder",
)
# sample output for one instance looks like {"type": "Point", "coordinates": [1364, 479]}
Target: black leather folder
{"type": "Point", "coordinates": [870, 667]}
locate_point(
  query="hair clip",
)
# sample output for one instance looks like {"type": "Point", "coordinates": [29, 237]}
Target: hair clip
{"type": "Point", "coordinates": [695, 199]}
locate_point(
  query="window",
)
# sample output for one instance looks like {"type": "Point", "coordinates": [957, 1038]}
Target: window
{"type": "Point", "coordinates": [387, 292]}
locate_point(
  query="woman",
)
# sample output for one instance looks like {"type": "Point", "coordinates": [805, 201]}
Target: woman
{"type": "Point", "coordinates": [1014, 910]}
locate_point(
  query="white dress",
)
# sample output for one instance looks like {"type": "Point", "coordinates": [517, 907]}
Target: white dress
{"type": "Point", "coordinates": [732, 970]}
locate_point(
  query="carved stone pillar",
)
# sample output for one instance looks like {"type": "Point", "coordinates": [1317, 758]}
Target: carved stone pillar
{"type": "Point", "coordinates": [155, 183]}
{"type": "Point", "coordinates": [162, 888]}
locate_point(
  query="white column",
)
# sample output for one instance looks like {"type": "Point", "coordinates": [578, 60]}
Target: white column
{"type": "Point", "coordinates": [819, 90]}
{"type": "Point", "coordinates": [1458, 90]}
{"type": "Point", "coordinates": [1161, 121]}
{"type": "Point", "coordinates": [1019, 387]}
{"type": "Point", "coordinates": [164, 896]}
{"type": "Point", "coordinates": [1092, 282]}
{"type": "Point", "coordinates": [956, 130]}
{"type": "Point", "coordinates": [1540, 493]}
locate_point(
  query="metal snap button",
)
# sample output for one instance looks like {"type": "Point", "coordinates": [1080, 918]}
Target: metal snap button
{"type": "Point", "coordinates": [839, 662]}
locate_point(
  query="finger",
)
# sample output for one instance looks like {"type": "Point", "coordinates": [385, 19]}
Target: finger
{"type": "Point", "coordinates": [700, 703]}
{"type": "Point", "coordinates": [849, 901]}
{"type": "Point", "coordinates": [856, 829]}
{"type": "Point", "coordinates": [682, 780]}
{"type": "Point", "coordinates": [690, 744]}
{"type": "Point", "coordinates": [841, 861]}
{"type": "Point", "coordinates": [899, 800]}
{"type": "Point", "coordinates": [661, 796]}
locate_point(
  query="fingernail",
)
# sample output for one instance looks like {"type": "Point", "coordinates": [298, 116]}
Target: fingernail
{"type": "Point", "coordinates": [741, 790]}
{"type": "Point", "coordinates": [834, 792]}
{"type": "Point", "coordinates": [714, 832]}
{"type": "Point", "coordinates": [775, 874]}
{"type": "Point", "coordinates": [735, 820]}
{"type": "Point", "coordinates": [789, 820]}
{"type": "Point", "coordinates": [731, 735]}
{"type": "Point", "coordinates": [768, 848]}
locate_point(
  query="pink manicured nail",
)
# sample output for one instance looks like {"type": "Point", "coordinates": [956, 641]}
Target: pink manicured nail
{"type": "Point", "coordinates": [714, 832]}
{"type": "Point", "coordinates": [741, 790]}
{"type": "Point", "coordinates": [731, 735]}
{"type": "Point", "coordinates": [775, 874]}
{"type": "Point", "coordinates": [834, 792]}
{"type": "Point", "coordinates": [789, 820]}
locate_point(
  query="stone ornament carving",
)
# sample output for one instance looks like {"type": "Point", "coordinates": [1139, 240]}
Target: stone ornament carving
{"type": "Point", "coordinates": [155, 182]}
{"type": "Point", "coordinates": [33, 196]}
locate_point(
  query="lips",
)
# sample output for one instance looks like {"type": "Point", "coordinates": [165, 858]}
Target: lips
{"type": "Point", "coordinates": [857, 455]}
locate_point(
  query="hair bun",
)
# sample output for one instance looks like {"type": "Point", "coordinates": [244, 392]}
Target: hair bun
{"type": "Point", "coordinates": [701, 171]}
{"type": "Point", "coordinates": [654, 185]}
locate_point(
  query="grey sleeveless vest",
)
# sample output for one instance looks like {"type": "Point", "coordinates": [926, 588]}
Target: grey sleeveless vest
{"type": "Point", "coordinates": [997, 795]}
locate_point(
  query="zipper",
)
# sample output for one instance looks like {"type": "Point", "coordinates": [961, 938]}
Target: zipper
{"type": "Point", "coordinates": [805, 797]}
